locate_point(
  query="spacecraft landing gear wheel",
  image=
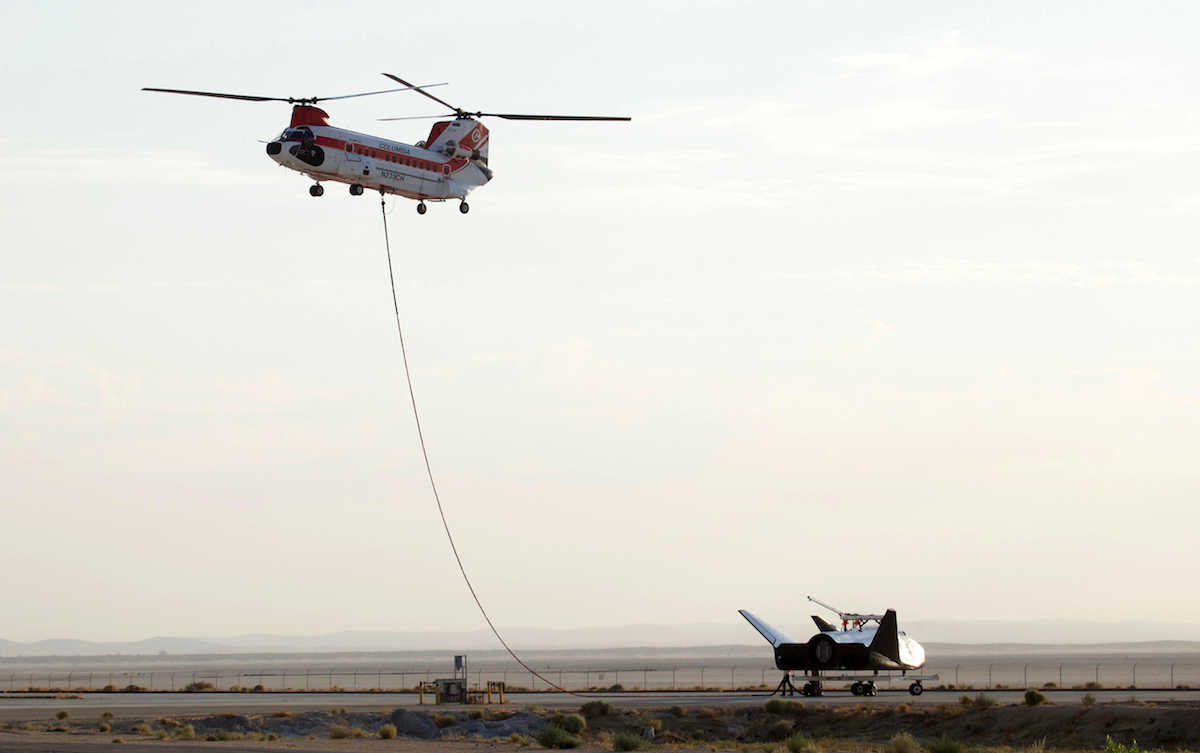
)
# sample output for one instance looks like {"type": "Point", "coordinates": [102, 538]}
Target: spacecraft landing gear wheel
{"type": "Point", "coordinates": [464, 207]}
{"type": "Point", "coordinates": [356, 189]}
{"type": "Point", "coordinates": [421, 208]}
{"type": "Point", "coordinates": [916, 688]}
{"type": "Point", "coordinates": [316, 189]}
{"type": "Point", "coordinates": [856, 689]}
{"type": "Point", "coordinates": [813, 688]}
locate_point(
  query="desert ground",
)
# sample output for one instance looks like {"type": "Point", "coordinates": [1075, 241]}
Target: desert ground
{"type": "Point", "coordinates": [955, 725]}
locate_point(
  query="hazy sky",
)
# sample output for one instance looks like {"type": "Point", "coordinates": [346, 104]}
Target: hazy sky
{"type": "Point", "coordinates": [890, 303]}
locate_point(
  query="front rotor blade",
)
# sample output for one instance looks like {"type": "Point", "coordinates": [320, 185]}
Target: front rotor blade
{"type": "Point", "coordinates": [244, 97]}
{"type": "Point", "coordinates": [420, 117]}
{"type": "Point", "coordinates": [419, 89]}
{"type": "Point", "coordinates": [381, 91]}
{"type": "Point", "coordinates": [511, 116]}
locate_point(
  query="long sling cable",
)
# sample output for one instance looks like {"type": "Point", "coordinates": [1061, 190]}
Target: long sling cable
{"type": "Point", "coordinates": [412, 398]}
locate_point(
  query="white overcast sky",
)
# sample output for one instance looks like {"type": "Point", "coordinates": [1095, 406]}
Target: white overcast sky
{"type": "Point", "coordinates": [890, 303]}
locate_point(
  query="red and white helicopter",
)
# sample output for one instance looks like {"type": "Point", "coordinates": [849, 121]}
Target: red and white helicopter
{"type": "Point", "coordinates": [450, 163]}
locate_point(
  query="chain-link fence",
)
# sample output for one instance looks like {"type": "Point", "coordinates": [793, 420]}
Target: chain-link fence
{"type": "Point", "coordinates": [720, 677]}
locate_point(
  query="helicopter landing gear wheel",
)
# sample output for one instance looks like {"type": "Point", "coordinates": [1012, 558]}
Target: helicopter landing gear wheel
{"type": "Point", "coordinates": [464, 207]}
{"type": "Point", "coordinates": [916, 688]}
{"type": "Point", "coordinates": [421, 208]}
{"type": "Point", "coordinates": [316, 189]}
{"type": "Point", "coordinates": [356, 189]}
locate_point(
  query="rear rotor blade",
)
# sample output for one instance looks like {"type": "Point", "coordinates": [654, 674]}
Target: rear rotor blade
{"type": "Point", "coordinates": [381, 91]}
{"type": "Point", "coordinates": [512, 116]}
{"type": "Point", "coordinates": [245, 97]}
{"type": "Point", "coordinates": [427, 94]}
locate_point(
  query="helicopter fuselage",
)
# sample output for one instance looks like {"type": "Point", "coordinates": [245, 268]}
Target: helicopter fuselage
{"type": "Point", "coordinates": [449, 166]}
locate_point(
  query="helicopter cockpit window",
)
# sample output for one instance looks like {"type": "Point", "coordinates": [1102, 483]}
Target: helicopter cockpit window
{"type": "Point", "coordinates": [296, 134]}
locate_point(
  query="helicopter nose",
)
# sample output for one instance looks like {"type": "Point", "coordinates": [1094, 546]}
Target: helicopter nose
{"type": "Point", "coordinates": [274, 148]}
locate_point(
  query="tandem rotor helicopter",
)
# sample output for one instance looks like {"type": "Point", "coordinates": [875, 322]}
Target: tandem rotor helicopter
{"type": "Point", "coordinates": [448, 164]}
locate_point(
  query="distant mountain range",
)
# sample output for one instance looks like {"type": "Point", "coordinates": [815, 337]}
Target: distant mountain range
{"type": "Point", "coordinates": [951, 636]}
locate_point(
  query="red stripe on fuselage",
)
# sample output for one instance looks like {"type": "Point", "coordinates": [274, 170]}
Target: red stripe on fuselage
{"type": "Point", "coordinates": [376, 153]}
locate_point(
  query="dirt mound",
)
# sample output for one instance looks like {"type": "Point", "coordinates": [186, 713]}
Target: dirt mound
{"type": "Point", "coordinates": [1167, 725]}
{"type": "Point", "coordinates": [413, 724]}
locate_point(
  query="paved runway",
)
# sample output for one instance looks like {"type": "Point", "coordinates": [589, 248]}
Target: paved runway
{"type": "Point", "coordinates": [26, 707]}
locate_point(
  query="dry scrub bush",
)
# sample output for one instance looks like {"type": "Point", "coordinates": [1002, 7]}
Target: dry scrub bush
{"type": "Point", "coordinates": [572, 723]}
{"type": "Point", "coordinates": [444, 720]}
{"type": "Point", "coordinates": [104, 727]}
{"type": "Point", "coordinates": [782, 707]}
{"type": "Point", "coordinates": [1088, 700]}
{"type": "Point", "coordinates": [593, 709]}
{"type": "Point", "coordinates": [141, 729]}
{"type": "Point", "coordinates": [1034, 697]}
{"type": "Point", "coordinates": [623, 741]}
{"type": "Point", "coordinates": [63, 715]}
{"type": "Point", "coordinates": [946, 744]}
{"type": "Point", "coordinates": [387, 732]}
{"type": "Point", "coordinates": [551, 736]}
{"type": "Point", "coordinates": [272, 737]}
{"type": "Point", "coordinates": [781, 729]}
{"type": "Point", "coordinates": [1112, 746]}
{"type": "Point", "coordinates": [801, 743]}
{"type": "Point", "coordinates": [185, 732]}
{"type": "Point", "coordinates": [980, 701]}
{"type": "Point", "coordinates": [903, 743]}
{"type": "Point", "coordinates": [342, 731]}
